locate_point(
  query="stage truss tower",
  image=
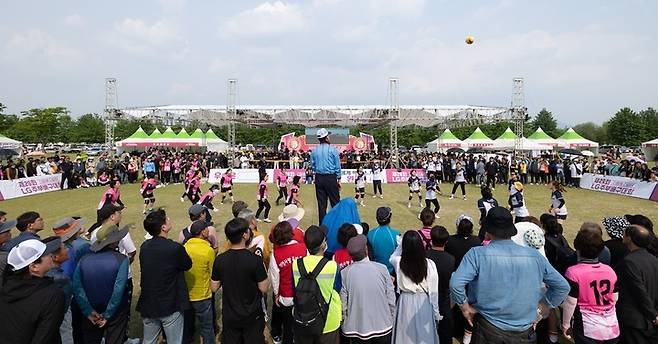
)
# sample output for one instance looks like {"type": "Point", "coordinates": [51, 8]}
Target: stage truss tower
{"type": "Point", "coordinates": [519, 112]}
{"type": "Point", "coordinates": [231, 101]}
{"type": "Point", "coordinates": [111, 112]}
{"type": "Point", "coordinates": [394, 115]}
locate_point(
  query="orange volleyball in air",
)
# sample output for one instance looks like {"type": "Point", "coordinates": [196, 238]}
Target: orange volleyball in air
{"type": "Point", "coordinates": [470, 39]}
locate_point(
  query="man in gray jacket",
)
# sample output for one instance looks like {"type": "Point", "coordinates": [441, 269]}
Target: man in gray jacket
{"type": "Point", "coordinates": [368, 297]}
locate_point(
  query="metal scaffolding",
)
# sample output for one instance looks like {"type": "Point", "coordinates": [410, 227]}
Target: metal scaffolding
{"type": "Point", "coordinates": [231, 101]}
{"type": "Point", "coordinates": [111, 112]}
{"type": "Point", "coordinates": [394, 115]}
{"type": "Point", "coordinates": [519, 112]}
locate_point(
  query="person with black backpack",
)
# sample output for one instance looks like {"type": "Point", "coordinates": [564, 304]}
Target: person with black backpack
{"type": "Point", "coordinates": [558, 251]}
{"type": "Point", "coordinates": [317, 310]}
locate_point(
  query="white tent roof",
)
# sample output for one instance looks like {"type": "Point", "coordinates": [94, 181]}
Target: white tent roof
{"type": "Point", "coordinates": [571, 139]}
{"type": "Point", "coordinates": [478, 140]}
{"type": "Point", "coordinates": [652, 143]}
{"type": "Point", "coordinates": [7, 143]}
{"type": "Point", "coordinates": [526, 145]}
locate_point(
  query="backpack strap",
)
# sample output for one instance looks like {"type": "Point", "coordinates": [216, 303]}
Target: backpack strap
{"type": "Point", "coordinates": [318, 268]}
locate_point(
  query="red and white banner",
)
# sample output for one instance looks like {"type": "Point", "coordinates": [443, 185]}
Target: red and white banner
{"type": "Point", "coordinates": [402, 175]}
{"type": "Point", "coordinates": [620, 186]}
{"type": "Point", "coordinates": [29, 186]}
{"type": "Point", "coordinates": [290, 173]}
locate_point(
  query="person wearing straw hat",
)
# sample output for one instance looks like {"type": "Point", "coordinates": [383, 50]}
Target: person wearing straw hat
{"type": "Point", "coordinates": [31, 306]}
{"type": "Point", "coordinates": [100, 286]}
{"type": "Point", "coordinates": [326, 166]}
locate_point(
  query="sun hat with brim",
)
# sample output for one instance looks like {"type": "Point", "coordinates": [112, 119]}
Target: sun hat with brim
{"type": "Point", "coordinates": [322, 133]}
{"type": "Point", "coordinates": [108, 235]}
{"type": "Point", "coordinates": [499, 223]}
{"type": "Point", "coordinates": [7, 226]}
{"type": "Point", "coordinates": [463, 217]}
{"type": "Point", "coordinates": [615, 226]}
{"type": "Point", "coordinates": [28, 251]}
{"type": "Point", "coordinates": [292, 211]}
{"type": "Point", "coordinates": [66, 228]}
{"type": "Point", "coordinates": [108, 210]}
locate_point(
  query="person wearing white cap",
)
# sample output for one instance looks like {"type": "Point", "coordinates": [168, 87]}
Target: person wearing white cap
{"type": "Point", "coordinates": [31, 307]}
{"type": "Point", "coordinates": [326, 164]}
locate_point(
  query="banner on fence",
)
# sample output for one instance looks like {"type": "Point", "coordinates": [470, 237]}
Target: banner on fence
{"type": "Point", "coordinates": [402, 175]}
{"type": "Point", "coordinates": [241, 175]}
{"type": "Point", "coordinates": [620, 186]}
{"type": "Point", "coordinates": [250, 175]}
{"type": "Point", "coordinates": [29, 186]}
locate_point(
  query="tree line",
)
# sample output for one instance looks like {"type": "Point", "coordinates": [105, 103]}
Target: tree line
{"type": "Point", "coordinates": [48, 125]}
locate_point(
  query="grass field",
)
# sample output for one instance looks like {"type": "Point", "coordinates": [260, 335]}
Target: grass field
{"type": "Point", "coordinates": [583, 206]}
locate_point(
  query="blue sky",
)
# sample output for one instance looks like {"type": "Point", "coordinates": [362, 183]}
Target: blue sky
{"type": "Point", "coordinates": [583, 60]}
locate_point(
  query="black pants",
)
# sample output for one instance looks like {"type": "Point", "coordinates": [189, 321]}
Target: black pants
{"type": "Point", "coordinates": [326, 188]}
{"type": "Point", "coordinates": [435, 202]}
{"type": "Point", "coordinates": [283, 194]}
{"type": "Point", "coordinates": [377, 186]}
{"type": "Point", "coordinates": [263, 205]}
{"type": "Point", "coordinates": [534, 177]}
{"type": "Point", "coordinates": [486, 333]}
{"type": "Point", "coordinates": [282, 323]}
{"type": "Point", "coordinates": [524, 178]}
{"type": "Point", "coordinates": [630, 335]}
{"type": "Point", "coordinates": [193, 197]}
{"type": "Point", "coordinates": [326, 338]}
{"type": "Point", "coordinates": [445, 326]}
{"type": "Point", "coordinates": [491, 180]}
{"type": "Point", "coordinates": [114, 331]}
{"type": "Point", "coordinates": [576, 182]}
{"type": "Point", "coordinates": [581, 339]}
{"type": "Point", "coordinates": [65, 177]}
{"type": "Point", "coordinates": [377, 340]}
{"type": "Point", "coordinates": [462, 186]}
{"type": "Point", "coordinates": [250, 333]}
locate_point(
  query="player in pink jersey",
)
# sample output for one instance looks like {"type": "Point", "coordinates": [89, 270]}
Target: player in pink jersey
{"type": "Point", "coordinates": [194, 188]}
{"type": "Point", "coordinates": [589, 314]}
{"type": "Point", "coordinates": [227, 185]}
{"type": "Point", "coordinates": [146, 190]}
{"type": "Point", "coordinates": [293, 197]}
{"type": "Point", "coordinates": [186, 183]}
{"type": "Point", "coordinates": [282, 184]}
{"type": "Point", "coordinates": [263, 203]}
{"type": "Point", "coordinates": [111, 195]}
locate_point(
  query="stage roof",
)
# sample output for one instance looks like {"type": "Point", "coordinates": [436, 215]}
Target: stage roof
{"type": "Point", "coordinates": [327, 115]}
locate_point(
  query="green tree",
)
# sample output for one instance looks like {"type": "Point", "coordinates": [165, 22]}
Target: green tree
{"type": "Point", "coordinates": [6, 121]}
{"type": "Point", "coordinates": [546, 121]}
{"type": "Point", "coordinates": [592, 131]}
{"type": "Point", "coordinates": [649, 118]}
{"type": "Point", "coordinates": [40, 125]}
{"type": "Point", "coordinates": [89, 128]}
{"type": "Point", "coordinates": [626, 128]}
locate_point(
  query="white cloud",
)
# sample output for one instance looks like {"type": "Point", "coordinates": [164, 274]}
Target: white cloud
{"type": "Point", "coordinates": [397, 7]}
{"type": "Point", "coordinates": [75, 21]}
{"type": "Point", "coordinates": [265, 20]}
{"type": "Point", "coordinates": [139, 37]}
{"type": "Point", "coordinates": [172, 5]}
{"type": "Point", "coordinates": [180, 88]}
{"type": "Point", "coordinates": [37, 45]}
{"type": "Point", "coordinates": [354, 34]}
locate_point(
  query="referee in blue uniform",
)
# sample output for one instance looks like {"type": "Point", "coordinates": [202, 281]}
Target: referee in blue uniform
{"type": "Point", "coordinates": [326, 165]}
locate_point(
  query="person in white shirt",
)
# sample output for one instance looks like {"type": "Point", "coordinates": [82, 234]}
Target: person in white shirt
{"type": "Point", "coordinates": [377, 177]}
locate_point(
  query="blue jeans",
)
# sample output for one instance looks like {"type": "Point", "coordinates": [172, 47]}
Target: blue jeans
{"type": "Point", "coordinates": [173, 328]}
{"type": "Point", "coordinates": [202, 311]}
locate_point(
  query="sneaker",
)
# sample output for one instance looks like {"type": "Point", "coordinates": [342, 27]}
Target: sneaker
{"type": "Point", "coordinates": [267, 220]}
{"type": "Point", "coordinates": [222, 202]}
{"type": "Point", "coordinates": [381, 196]}
{"type": "Point", "coordinates": [464, 198]}
{"type": "Point", "coordinates": [452, 196]}
{"type": "Point", "coordinates": [374, 196]}
{"type": "Point", "coordinates": [420, 205]}
{"type": "Point", "coordinates": [493, 189]}
{"type": "Point", "coordinates": [363, 204]}
{"type": "Point", "coordinates": [182, 199]}
{"type": "Point", "coordinates": [408, 205]}
{"type": "Point", "coordinates": [436, 216]}
{"type": "Point", "coordinates": [277, 340]}
{"type": "Point", "coordinates": [259, 220]}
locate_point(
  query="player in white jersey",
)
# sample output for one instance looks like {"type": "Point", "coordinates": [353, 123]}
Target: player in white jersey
{"type": "Point", "coordinates": [360, 186]}
{"type": "Point", "coordinates": [414, 188]}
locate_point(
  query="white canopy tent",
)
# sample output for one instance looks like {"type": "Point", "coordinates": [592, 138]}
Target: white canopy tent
{"type": "Point", "coordinates": [10, 144]}
{"type": "Point", "coordinates": [526, 145]}
{"type": "Point", "coordinates": [478, 139]}
{"type": "Point", "coordinates": [650, 149]}
{"type": "Point", "coordinates": [445, 141]}
{"type": "Point", "coordinates": [571, 139]}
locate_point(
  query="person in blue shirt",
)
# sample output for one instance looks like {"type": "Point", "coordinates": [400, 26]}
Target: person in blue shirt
{"type": "Point", "coordinates": [326, 165]}
{"type": "Point", "coordinates": [100, 288]}
{"type": "Point", "coordinates": [383, 239]}
{"type": "Point", "coordinates": [505, 285]}
{"type": "Point", "coordinates": [149, 167]}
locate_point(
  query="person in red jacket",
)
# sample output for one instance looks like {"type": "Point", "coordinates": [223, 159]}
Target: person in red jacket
{"type": "Point", "coordinates": [286, 250]}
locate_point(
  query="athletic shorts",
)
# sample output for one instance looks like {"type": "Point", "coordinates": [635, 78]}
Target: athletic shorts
{"type": "Point", "coordinates": [148, 198]}
{"type": "Point", "coordinates": [414, 191]}
{"type": "Point", "coordinates": [561, 217]}
{"type": "Point", "coordinates": [360, 190]}
{"type": "Point", "coordinates": [226, 189]}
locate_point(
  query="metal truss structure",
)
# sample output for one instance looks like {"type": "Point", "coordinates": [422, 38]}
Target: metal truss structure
{"type": "Point", "coordinates": [393, 114]}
